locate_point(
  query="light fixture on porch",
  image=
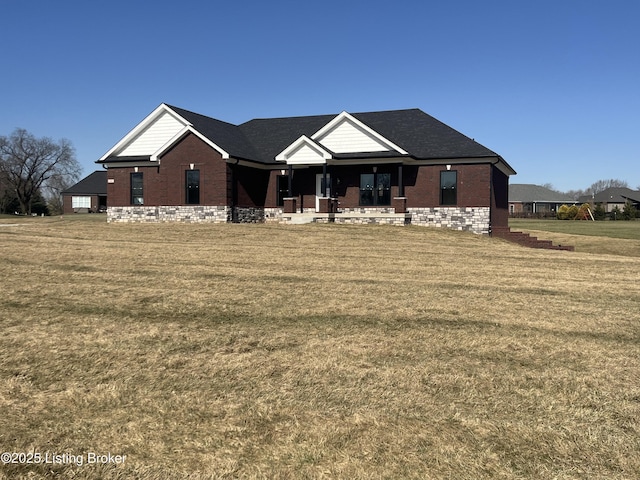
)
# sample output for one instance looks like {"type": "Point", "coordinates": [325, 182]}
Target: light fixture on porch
{"type": "Point", "coordinates": [191, 165]}
{"type": "Point", "coordinates": [135, 169]}
{"type": "Point", "coordinates": [283, 172]}
{"type": "Point", "coordinates": [375, 169]}
{"type": "Point", "coordinates": [448, 167]}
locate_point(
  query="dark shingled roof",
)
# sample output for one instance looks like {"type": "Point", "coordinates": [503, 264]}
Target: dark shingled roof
{"type": "Point", "coordinates": [421, 135]}
{"type": "Point", "coordinates": [613, 195]}
{"type": "Point", "coordinates": [93, 184]}
{"type": "Point", "coordinates": [270, 136]}
{"type": "Point", "coordinates": [226, 135]}
{"type": "Point", "coordinates": [524, 192]}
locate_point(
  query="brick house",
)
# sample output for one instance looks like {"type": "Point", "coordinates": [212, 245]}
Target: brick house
{"type": "Point", "coordinates": [398, 167]}
{"type": "Point", "coordinates": [89, 195]}
{"type": "Point", "coordinates": [527, 200]}
{"type": "Point", "coordinates": [613, 197]}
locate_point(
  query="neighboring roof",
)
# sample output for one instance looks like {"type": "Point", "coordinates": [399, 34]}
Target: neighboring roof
{"type": "Point", "coordinates": [93, 184]}
{"type": "Point", "coordinates": [613, 195]}
{"type": "Point", "coordinates": [529, 193]}
{"type": "Point", "coordinates": [414, 133]}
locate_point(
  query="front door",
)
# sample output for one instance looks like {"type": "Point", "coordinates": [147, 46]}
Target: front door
{"type": "Point", "coordinates": [322, 192]}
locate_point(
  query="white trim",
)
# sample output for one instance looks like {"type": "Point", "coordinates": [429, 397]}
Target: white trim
{"type": "Point", "coordinates": [187, 129]}
{"type": "Point", "coordinates": [287, 154]}
{"type": "Point", "coordinates": [148, 120]}
{"type": "Point", "coordinates": [344, 116]}
{"type": "Point", "coordinates": [81, 201]}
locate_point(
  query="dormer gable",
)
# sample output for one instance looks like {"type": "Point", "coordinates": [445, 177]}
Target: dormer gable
{"type": "Point", "coordinates": [304, 151]}
{"type": "Point", "coordinates": [347, 134]}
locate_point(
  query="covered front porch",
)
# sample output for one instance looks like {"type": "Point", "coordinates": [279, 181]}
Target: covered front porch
{"type": "Point", "coordinates": [343, 191]}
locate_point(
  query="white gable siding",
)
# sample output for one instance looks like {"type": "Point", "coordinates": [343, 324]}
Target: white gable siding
{"type": "Point", "coordinates": [163, 129]}
{"type": "Point", "coordinates": [347, 137]}
{"type": "Point", "coordinates": [305, 154]}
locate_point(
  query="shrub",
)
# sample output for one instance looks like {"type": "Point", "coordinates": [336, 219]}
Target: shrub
{"type": "Point", "coordinates": [563, 212]}
{"type": "Point", "coordinates": [583, 212]}
{"type": "Point", "coordinates": [599, 212]}
{"type": "Point", "coordinates": [615, 214]}
{"type": "Point", "coordinates": [629, 211]}
{"type": "Point", "coordinates": [573, 212]}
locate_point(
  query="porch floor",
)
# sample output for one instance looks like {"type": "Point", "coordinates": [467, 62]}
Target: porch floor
{"type": "Point", "coordinates": [351, 217]}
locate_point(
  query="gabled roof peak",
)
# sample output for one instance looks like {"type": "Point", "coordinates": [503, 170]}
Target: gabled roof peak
{"type": "Point", "coordinates": [404, 132]}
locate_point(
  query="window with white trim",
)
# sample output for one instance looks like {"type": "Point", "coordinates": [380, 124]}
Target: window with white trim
{"type": "Point", "coordinates": [81, 202]}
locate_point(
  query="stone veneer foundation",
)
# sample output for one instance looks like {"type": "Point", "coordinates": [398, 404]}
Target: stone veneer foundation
{"type": "Point", "coordinates": [189, 214]}
{"type": "Point", "coordinates": [472, 219]}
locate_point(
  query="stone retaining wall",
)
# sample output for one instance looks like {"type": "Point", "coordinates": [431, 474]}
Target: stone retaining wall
{"type": "Point", "coordinates": [249, 215]}
{"type": "Point", "coordinates": [273, 214]}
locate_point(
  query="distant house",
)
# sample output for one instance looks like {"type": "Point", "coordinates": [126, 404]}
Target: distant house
{"type": "Point", "coordinates": [89, 195]}
{"type": "Point", "coordinates": [527, 199]}
{"type": "Point", "coordinates": [396, 167]}
{"type": "Point", "coordinates": [613, 197]}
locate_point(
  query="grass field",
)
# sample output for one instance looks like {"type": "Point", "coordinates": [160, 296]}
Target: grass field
{"type": "Point", "coordinates": [615, 238]}
{"type": "Point", "coordinates": [313, 351]}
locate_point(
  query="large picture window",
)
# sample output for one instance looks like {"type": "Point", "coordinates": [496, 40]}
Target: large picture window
{"type": "Point", "coordinates": [375, 189]}
{"type": "Point", "coordinates": [137, 197]}
{"type": "Point", "coordinates": [80, 202]}
{"type": "Point", "coordinates": [449, 188]}
{"type": "Point", "coordinates": [192, 187]}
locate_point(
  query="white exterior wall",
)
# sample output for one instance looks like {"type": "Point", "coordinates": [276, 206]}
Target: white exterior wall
{"type": "Point", "coordinates": [305, 155]}
{"type": "Point", "coordinates": [349, 138]}
{"type": "Point", "coordinates": [154, 136]}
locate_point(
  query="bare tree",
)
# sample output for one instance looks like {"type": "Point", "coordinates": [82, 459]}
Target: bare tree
{"type": "Point", "coordinates": [53, 192]}
{"type": "Point", "coordinates": [30, 164]}
{"type": "Point", "coordinates": [575, 194]}
{"type": "Point", "coordinates": [601, 185]}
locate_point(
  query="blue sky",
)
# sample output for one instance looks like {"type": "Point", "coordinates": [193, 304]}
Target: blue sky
{"type": "Point", "coordinates": [552, 86]}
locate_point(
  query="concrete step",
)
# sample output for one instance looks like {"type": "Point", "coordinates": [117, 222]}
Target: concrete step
{"type": "Point", "coordinates": [300, 218]}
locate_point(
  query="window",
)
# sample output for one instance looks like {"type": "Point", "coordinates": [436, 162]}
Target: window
{"type": "Point", "coordinates": [136, 189]}
{"type": "Point", "coordinates": [80, 202]}
{"type": "Point", "coordinates": [192, 187]}
{"type": "Point", "coordinates": [448, 188]}
{"type": "Point", "coordinates": [283, 189]}
{"type": "Point", "coordinates": [375, 189]}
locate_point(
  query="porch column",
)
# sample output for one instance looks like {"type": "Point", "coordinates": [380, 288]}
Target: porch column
{"type": "Point", "coordinates": [324, 179]}
{"type": "Point", "coordinates": [290, 181]}
{"type": "Point", "coordinates": [399, 203]}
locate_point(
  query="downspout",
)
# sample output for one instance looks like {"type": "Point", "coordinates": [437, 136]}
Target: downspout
{"type": "Point", "coordinates": [234, 192]}
{"type": "Point", "coordinates": [492, 202]}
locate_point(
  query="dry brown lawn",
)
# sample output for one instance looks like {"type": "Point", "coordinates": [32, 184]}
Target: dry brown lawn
{"type": "Point", "coordinates": [314, 351]}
